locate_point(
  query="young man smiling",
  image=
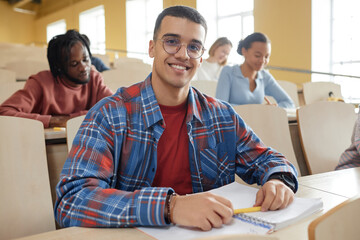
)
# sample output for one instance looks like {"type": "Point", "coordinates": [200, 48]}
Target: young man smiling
{"type": "Point", "coordinates": [68, 90]}
{"type": "Point", "coordinates": [147, 155]}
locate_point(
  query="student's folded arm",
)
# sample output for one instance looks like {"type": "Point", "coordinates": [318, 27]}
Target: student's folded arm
{"type": "Point", "coordinates": [275, 90]}
{"type": "Point", "coordinates": [24, 102]}
{"type": "Point", "coordinates": [88, 192]}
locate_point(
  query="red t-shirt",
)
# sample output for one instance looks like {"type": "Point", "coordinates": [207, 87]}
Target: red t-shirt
{"type": "Point", "coordinates": [173, 169]}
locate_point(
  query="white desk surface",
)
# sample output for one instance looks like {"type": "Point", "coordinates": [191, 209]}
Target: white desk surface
{"type": "Point", "coordinates": [344, 183]}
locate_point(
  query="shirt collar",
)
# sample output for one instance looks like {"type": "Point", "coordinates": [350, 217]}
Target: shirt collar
{"type": "Point", "coordinates": [151, 109]}
{"type": "Point", "coordinates": [259, 75]}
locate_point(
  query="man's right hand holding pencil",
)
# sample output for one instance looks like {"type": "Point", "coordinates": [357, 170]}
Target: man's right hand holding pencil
{"type": "Point", "coordinates": [206, 210]}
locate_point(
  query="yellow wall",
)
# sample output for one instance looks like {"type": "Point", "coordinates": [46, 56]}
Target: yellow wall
{"type": "Point", "coordinates": [115, 21]}
{"type": "Point", "coordinates": [286, 22]}
{"type": "Point", "coordinates": [169, 3]}
{"type": "Point", "coordinates": [288, 25]}
{"type": "Point", "coordinates": [15, 27]}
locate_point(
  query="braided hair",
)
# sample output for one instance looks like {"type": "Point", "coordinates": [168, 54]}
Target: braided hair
{"type": "Point", "coordinates": [59, 48]}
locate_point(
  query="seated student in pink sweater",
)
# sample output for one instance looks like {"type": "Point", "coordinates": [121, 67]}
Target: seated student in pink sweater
{"type": "Point", "coordinates": [69, 89]}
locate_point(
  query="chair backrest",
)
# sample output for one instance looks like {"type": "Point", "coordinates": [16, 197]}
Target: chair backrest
{"type": "Point", "coordinates": [72, 126]}
{"type": "Point", "coordinates": [125, 60]}
{"type": "Point", "coordinates": [26, 205]}
{"type": "Point", "coordinates": [325, 130]}
{"type": "Point", "coordinates": [116, 78]}
{"type": "Point", "coordinates": [319, 91]}
{"type": "Point", "coordinates": [8, 88]}
{"type": "Point", "coordinates": [340, 222]}
{"type": "Point", "coordinates": [25, 68]}
{"type": "Point", "coordinates": [205, 86]}
{"type": "Point", "coordinates": [291, 89]}
{"type": "Point", "coordinates": [271, 125]}
{"type": "Point", "coordinates": [18, 52]}
{"type": "Point", "coordinates": [7, 76]}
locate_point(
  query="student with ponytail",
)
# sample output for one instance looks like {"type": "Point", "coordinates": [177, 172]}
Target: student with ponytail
{"type": "Point", "coordinates": [249, 83]}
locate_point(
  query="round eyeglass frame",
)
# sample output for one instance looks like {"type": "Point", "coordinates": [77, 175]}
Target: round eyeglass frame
{"type": "Point", "coordinates": [179, 47]}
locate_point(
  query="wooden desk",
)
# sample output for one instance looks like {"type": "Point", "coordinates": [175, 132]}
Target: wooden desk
{"type": "Point", "coordinates": [344, 183]}
{"type": "Point", "coordinates": [296, 231]}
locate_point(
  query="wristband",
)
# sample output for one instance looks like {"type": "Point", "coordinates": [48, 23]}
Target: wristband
{"type": "Point", "coordinates": [167, 211]}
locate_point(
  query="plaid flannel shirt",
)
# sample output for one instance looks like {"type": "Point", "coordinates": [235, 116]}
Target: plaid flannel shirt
{"type": "Point", "coordinates": [106, 180]}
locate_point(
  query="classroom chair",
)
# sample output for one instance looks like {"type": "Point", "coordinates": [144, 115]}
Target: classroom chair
{"type": "Point", "coordinates": [122, 77]}
{"type": "Point", "coordinates": [340, 222]}
{"type": "Point", "coordinates": [132, 68]}
{"type": "Point", "coordinates": [319, 91]}
{"type": "Point", "coordinates": [205, 86]}
{"type": "Point", "coordinates": [126, 60]}
{"type": "Point", "coordinates": [11, 52]}
{"type": "Point", "coordinates": [271, 125]}
{"type": "Point", "coordinates": [26, 205]}
{"type": "Point", "coordinates": [325, 130]}
{"type": "Point", "coordinates": [25, 68]}
{"type": "Point", "coordinates": [7, 76]}
{"type": "Point", "coordinates": [72, 126]}
{"type": "Point", "coordinates": [9, 88]}
{"type": "Point", "coordinates": [291, 89]}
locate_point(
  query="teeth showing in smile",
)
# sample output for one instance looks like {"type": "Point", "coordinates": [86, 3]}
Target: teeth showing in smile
{"type": "Point", "coordinates": [178, 67]}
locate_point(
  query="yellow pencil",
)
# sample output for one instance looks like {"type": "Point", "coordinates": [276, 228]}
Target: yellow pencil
{"type": "Point", "coordinates": [59, 129]}
{"type": "Point", "coordinates": [247, 210]}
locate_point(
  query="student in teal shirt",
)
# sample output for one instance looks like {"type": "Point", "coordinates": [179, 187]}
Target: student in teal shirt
{"type": "Point", "coordinates": [249, 83]}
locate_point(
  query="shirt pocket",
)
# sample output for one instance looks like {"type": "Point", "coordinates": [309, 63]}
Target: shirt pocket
{"type": "Point", "coordinates": [218, 168]}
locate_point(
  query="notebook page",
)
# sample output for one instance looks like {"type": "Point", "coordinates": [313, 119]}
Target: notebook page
{"type": "Point", "coordinates": [298, 209]}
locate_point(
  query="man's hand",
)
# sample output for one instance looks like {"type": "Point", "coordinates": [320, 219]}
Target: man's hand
{"type": "Point", "coordinates": [274, 195]}
{"type": "Point", "coordinates": [203, 210]}
{"type": "Point", "coordinates": [58, 121]}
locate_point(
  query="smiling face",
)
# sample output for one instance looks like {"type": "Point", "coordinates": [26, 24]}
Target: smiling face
{"type": "Point", "coordinates": [78, 66]}
{"type": "Point", "coordinates": [172, 72]}
{"type": "Point", "coordinates": [257, 56]}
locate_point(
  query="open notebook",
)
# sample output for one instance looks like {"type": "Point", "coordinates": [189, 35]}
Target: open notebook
{"type": "Point", "coordinates": [243, 196]}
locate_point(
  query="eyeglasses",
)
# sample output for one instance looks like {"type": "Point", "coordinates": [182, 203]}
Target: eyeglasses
{"type": "Point", "coordinates": [172, 45]}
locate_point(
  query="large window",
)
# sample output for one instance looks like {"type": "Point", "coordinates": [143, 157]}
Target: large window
{"type": "Point", "coordinates": [92, 23]}
{"type": "Point", "coordinates": [55, 28]}
{"type": "Point", "coordinates": [140, 21]}
{"type": "Point", "coordinates": [227, 18]}
{"type": "Point", "coordinates": [335, 44]}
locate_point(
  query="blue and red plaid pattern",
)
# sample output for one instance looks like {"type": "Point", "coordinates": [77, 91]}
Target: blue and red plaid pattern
{"type": "Point", "coordinates": [106, 180]}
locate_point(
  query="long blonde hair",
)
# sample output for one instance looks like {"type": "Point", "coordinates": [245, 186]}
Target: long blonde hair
{"type": "Point", "coordinates": [218, 43]}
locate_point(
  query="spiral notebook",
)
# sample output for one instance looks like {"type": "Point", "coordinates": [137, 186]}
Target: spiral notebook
{"type": "Point", "coordinates": [243, 196]}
